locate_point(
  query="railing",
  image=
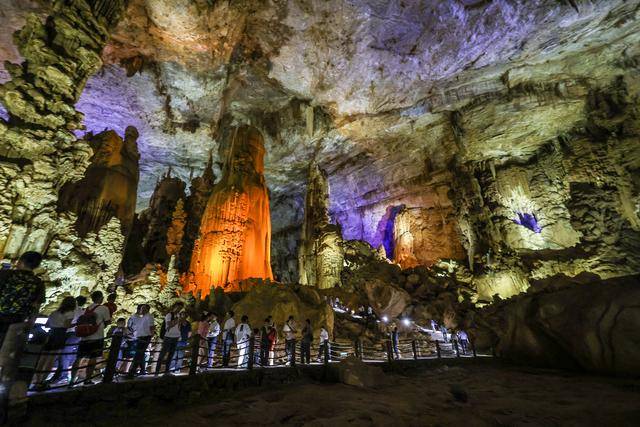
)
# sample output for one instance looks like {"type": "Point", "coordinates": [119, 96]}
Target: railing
{"type": "Point", "coordinates": [118, 360]}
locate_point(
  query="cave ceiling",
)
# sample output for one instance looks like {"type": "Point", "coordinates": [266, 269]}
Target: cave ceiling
{"type": "Point", "coordinates": [382, 77]}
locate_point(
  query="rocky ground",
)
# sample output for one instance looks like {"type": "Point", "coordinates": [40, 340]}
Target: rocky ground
{"type": "Point", "coordinates": [484, 395]}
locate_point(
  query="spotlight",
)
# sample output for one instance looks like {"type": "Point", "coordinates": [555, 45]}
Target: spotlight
{"type": "Point", "coordinates": [406, 322]}
{"type": "Point", "coordinates": [385, 319]}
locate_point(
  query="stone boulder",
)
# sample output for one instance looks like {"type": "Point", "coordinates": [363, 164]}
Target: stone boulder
{"type": "Point", "coordinates": [595, 327]}
{"type": "Point", "coordinates": [353, 371]}
{"type": "Point", "coordinates": [386, 298]}
{"type": "Point", "coordinates": [281, 301]}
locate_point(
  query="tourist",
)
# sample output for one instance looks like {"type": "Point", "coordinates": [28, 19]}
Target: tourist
{"type": "Point", "coordinates": [305, 343]}
{"type": "Point", "coordinates": [170, 337]}
{"type": "Point", "coordinates": [289, 330]}
{"type": "Point", "coordinates": [228, 338]}
{"type": "Point", "coordinates": [463, 338]}
{"type": "Point", "coordinates": [395, 340]}
{"type": "Point", "coordinates": [243, 333]}
{"type": "Point", "coordinates": [256, 350]}
{"type": "Point", "coordinates": [58, 322]}
{"type": "Point", "coordinates": [273, 338]}
{"type": "Point", "coordinates": [68, 357]}
{"type": "Point", "coordinates": [202, 330]}
{"type": "Point", "coordinates": [21, 293]}
{"type": "Point", "coordinates": [90, 329]}
{"type": "Point", "coordinates": [111, 303]}
{"type": "Point", "coordinates": [264, 342]}
{"type": "Point", "coordinates": [444, 331]}
{"type": "Point", "coordinates": [120, 329]}
{"type": "Point", "coordinates": [324, 344]}
{"type": "Point", "coordinates": [212, 339]}
{"type": "Point", "coordinates": [141, 323]}
{"type": "Point", "coordinates": [185, 333]}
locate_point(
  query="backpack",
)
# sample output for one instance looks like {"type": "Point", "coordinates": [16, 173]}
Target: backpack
{"type": "Point", "coordinates": [87, 323]}
{"type": "Point", "coordinates": [163, 327]}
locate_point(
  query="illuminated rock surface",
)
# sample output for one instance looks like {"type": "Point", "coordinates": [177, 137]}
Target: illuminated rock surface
{"type": "Point", "coordinates": [485, 147]}
{"type": "Point", "coordinates": [235, 232]}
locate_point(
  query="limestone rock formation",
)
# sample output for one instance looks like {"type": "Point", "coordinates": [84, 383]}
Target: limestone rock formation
{"type": "Point", "coordinates": [320, 252]}
{"type": "Point", "coordinates": [353, 371]}
{"type": "Point", "coordinates": [59, 57]}
{"type": "Point", "coordinates": [282, 301]}
{"type": "Point", "coordinates": [109, 186]}
{"type": "Point", "coordinates": [235, 233]}
{"type": "Point", "coordinates": [581, 326]}
{"type": "Point", "coordinates": [196, 202]}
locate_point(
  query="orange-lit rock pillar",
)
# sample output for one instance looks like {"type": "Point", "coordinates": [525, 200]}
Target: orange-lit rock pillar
{"type": "Point", "coordinates": [235, 232]}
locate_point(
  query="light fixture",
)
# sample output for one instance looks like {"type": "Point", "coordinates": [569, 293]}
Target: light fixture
{"type": "Point", "coordinates": [406, 322]}
{"type": "Point", "coordinates": [385, 319]}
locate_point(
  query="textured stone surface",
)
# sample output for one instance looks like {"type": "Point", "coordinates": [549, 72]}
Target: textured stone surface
{"type": "Point", "coordinates": [588, 326]}
{"type": "Point", "coordinates": [321, 255]}
{"type": "Point", "coordinates": [234, 243]}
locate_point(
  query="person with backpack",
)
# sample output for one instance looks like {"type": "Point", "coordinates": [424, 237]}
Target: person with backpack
{"type": "Point", "coordinates": [243, 333]}
{"type": "Point", "coordinates": [90, 329]}
{"type": "Point", "coordinates": [58, 322]}
{"type": "Point", "coordinates": [212, 339]}
{"type": "Point", "coordinates": [170, 334]}
{"type": "Point", "coordinates": [68, 357]}
{"type": "Point", "coordinates": [228, 338]}
{"type": "Point", "coordinates": [305, 344]}
{"type": "Point", "coordinates": [142, 325]}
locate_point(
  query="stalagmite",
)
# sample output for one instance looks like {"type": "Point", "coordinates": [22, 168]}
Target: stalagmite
{"type": "Point", "coordinates": [321, 255]}
{"type": "Point", "coordinates": [235, 232]}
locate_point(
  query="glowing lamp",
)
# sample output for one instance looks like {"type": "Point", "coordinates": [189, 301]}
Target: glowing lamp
{"type": "Point", "coordinates": [406, 322]}
{"type": "Point", "coordinates": [385, 319]}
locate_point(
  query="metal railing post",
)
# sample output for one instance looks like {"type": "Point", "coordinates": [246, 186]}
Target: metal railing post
{"type": "Point", "coordinates": [252, 349]}
{"type": "Point", "coordinates": [415, 349]}
{"type": "Point", "coordinates": [195, 352]}
{"type": "Point", "coordinates": [473, 348]}
{"type": "Point", "coordinates": [326, 352]}
{"type": "Point", "coordinates": [438, 349]}
{"type": "Point", "coordinates": [293, 354]}
{"type": "Point", "coordinates": [389, 351]}
{"type": "Point", "coordinates": [455, 345]}
{"type": "Point", "coordinates": [112, 359]}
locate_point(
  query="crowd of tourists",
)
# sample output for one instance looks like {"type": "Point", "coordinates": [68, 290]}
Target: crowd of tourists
{"type": "Point", "coordinates": [75, 343]}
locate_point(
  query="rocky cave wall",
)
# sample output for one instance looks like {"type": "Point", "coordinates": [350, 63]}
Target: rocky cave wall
{"type": "Point", "coordinates": [446, 130]}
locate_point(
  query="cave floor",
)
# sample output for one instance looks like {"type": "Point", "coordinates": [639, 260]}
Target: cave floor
{"type": "Point", "coordinates": [497, 396]}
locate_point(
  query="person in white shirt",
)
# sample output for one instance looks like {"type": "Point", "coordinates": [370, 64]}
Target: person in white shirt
{"type": "Point", "coordinates": [58, 323]}
{"type": "Point", "coordinates": [71, 347]}
{"type": "Point", "coordinates": [243, 333]}
{"type": "Point", "coordinates": [212, 339]}
{"type": "Point", "coordinates": [324, 342]}
{"type": "Point", "coordinates": [170, 338]}
{"type": "Point", "coordinates": [143, 329]}
{"type": "Point", "coordinates": [289, 330]}
{"type": "Point", "coordinates": [91, 346]}
{"type": "Point", "coordinates": [228, 338]}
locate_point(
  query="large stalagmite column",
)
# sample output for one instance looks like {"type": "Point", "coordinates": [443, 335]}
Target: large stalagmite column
{"type": "Point", "coordinates": [320, 254]}
{"type": "Point", "coordinates": [235, 232]}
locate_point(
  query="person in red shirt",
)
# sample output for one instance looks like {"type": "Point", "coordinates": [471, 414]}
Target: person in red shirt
{"type": "Point", "coordinates": [111, 303]}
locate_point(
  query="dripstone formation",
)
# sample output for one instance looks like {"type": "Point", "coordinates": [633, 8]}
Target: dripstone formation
{"type": "Point", "coordinates": [472, 163]}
